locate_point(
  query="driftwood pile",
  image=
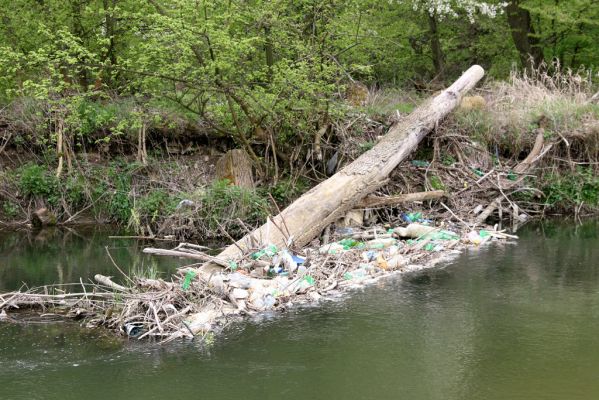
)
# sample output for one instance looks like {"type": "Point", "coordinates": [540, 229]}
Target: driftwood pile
{"type": "Point", "coordinates": [289, 260]}
{"type": "Point", "coordinates": [267, 279]}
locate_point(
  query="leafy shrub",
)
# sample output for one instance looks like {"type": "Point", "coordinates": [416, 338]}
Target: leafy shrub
{"type": "Point", "coordinates": [287, 190]}
{"type": "Point", "coordinates": [564, 191]}
{"type": "Point", "coordinates": [37, 181]}
{"type": "Point", "coordinates": [10, 209]}
{"type": "Point", "coordinates": [223, 203]}
{"type": "Point", "coordinates": [155, 204]}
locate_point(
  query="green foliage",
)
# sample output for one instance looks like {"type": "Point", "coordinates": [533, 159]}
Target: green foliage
{"type": "Point", "coordinates": [563, 191]}
{"type": "Point", "coordinates": [286, 190]}
{"type": "Point", "coordinates": [119, 203]}
{"type": "Point", "coordinates": [223, 203]}
{"type": "Point", "coordinates": [436, 182]}
{"type": "Point", "coordinates": [10, 209]}
{"type": "Point", "coordinates": [157, 203]}
{"type": "Point", "coordinates": [37, 181]}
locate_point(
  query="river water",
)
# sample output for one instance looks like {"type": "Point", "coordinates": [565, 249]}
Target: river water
{"type": "Point", "coordinates": [503, 322]}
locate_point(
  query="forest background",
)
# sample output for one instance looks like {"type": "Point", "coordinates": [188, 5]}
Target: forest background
{"type": "Point", "coordinates": [102, 100]}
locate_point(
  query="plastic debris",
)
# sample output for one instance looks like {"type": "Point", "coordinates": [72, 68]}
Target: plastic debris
{"type": "Point", "coordinates": [397, 261]}
{"type": "Point", "coordinates": [478, 171]}
{"type": "Point", "coordinates": [420, 163]}
{"type": "Point", "coordinates": [415, 217]}
{"type": "Point", "coordinates": [381, 243]}
{"type": "Point", "coordinates": [414, 230]}
{"type": "Point", "coordinates": [268, 251]}
{"type": "Point", "coordinates": [381, 262]}
{"type": "Point", "coordinates": [350, 244]}
{"type": "Point", "coordinates": [185, 203]}
{"type": "Point", "coordinates": [189, 276]}
{"type": "Point", "coordinates": [240, 281]}
{"type": "Point", "coordinates": [369, 255]}
{"type": "Point", "coordinates": [359, 273]}
{"type": "Point", "coordinates": [133, 329]}
{"type": "Point", "coordinates": [332, 248]}
{"type": "Point", "coordinates": [474, 238]}
{"type": "Point", "coordinates": [240, 293]}
{"type": "Point", "coordinates": [345, 231]}
{"type": "Point", "coordinates": [297, 259]}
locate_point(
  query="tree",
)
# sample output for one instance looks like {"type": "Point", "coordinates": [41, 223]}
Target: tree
{"type": "Point", "coordinates": [438, 10]}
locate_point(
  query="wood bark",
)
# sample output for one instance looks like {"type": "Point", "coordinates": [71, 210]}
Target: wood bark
{"type": "Point", "coordinates": [305, 218]}
{"type": "Point", "coordinates": [106, 281]}
{"type": "Point", "coordinates": [523, 35]}
{"type": "Point", "coordinates": [184, 254]}
{"type": "Point", "coordinates": [43, 217]}
{"type": "Point", "coordinates": [236, 166]}
{"type": "Point", "coordinates": [377, 201]}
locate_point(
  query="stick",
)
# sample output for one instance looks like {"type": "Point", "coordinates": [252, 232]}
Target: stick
{"type": "Point", "coordinates": [106, 281]}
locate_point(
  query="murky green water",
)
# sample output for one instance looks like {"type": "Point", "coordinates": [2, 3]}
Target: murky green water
{"type": "Point", "coordinates": [512, 322]}
{"type": "Point", "coordinates": [64, 255]}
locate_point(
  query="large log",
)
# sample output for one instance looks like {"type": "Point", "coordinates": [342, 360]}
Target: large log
{"type": "Point", "coordinates": [305, 218]}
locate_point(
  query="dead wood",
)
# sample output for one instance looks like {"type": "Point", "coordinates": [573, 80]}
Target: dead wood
{"type": "Point", "coordinates": [305, 218]}
{"type": "Point", "coordinates": [538, 151]}
{"type": "Point", "coordinates": [377, 201]}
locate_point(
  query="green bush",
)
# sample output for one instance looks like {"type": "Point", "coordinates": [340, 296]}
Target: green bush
{"type": "Point", "coordinates": [37, 181]}
{"type": "Point", "coordinates": [155, 204]}
{"type": "Point", "coordinates": [566, 190]}
{"type": "Point", "coordinates": [222, 203]}
{"type": "Point", "coordinates": [10, 209]}
{"type": "Point", "coordinates": [287, 190]}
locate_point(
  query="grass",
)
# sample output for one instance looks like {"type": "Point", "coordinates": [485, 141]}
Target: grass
{"type": "Point", "coordinates": [516, 108]}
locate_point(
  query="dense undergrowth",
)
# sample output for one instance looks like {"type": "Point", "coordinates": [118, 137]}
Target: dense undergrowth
{"type": "Point", "coordinates": [178, 195]}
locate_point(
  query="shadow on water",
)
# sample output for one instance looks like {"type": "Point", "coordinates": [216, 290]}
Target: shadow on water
{"type": "Point", "coordinates": [502, 322]}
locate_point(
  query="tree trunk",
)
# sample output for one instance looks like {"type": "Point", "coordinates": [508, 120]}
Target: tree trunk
{"type": "Point", "coordinates": [436, 50]}
{"type": "Point", "coordinates": [236, 167]}
{"type": "Point", "coordinates": [523, 35]}
{"type": "Point", "coordinates": [305, 218]}
{"type": "Point", "coordinates": [43, 217]}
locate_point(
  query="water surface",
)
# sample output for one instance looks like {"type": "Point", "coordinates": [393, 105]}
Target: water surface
{"type": "Point", "coordinates": [504, 322]}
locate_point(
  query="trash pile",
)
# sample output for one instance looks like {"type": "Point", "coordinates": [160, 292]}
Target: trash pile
{"type": "Point", "coordinates": [201, 301]}
{"type": "Point", "coordinates": [271, 278]}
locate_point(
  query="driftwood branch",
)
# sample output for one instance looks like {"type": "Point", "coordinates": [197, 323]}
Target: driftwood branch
{"type": "Point", "coordinates": [185, 254]}
{"type": "Point", "coordinates": [377, 201]}
{"type": "Point", "coordinates": [538, 151]}
{"type": "Point", "coordinates": [106, 281]}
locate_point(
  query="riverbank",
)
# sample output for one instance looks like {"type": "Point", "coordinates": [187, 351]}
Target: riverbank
{"type": "Point", "coordinates": [432, 204]}
{"type": "Point", "coordinates": [179, 195]}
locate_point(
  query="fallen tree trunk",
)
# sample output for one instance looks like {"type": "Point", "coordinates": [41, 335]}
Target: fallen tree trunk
{"type": "Point", "coordinates": [305, 218]}
{"type": "Point", "coordinates": [377, 201]}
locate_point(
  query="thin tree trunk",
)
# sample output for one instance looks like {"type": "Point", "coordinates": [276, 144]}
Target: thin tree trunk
{"type": "Point", "coordinates": [523, 35]}
{"type": "Point", "coordinates": [436, 50]}
{"type": "Point", "coordinates": [305, 218]}
{"type": "Point", "coordinates": [59, 145]}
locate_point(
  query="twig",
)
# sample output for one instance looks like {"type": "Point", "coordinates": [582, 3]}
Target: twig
{"type": "Point", "coordinates": [117, 267]}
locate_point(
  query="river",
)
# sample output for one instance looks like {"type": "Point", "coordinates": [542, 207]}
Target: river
{"type": "Point", "coordinates": [501, 322]}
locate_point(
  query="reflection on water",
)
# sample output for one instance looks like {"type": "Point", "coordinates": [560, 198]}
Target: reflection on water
{"type": "Point", "coordinates": [56, 255]}
{"type": "Point", "coordinates": [505, 322]}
